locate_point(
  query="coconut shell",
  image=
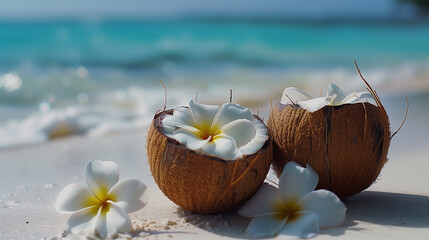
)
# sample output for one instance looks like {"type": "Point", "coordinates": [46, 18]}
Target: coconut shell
{"type": "Point", "coordinates": [346, 145]}
{"type": "Point", "coordinates": [203, 183]}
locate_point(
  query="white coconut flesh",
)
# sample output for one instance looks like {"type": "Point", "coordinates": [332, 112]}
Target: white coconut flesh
{"type": "Point", "coordinates": [229, 131]}
{"type": "Point", "coordinates": [335, 97]}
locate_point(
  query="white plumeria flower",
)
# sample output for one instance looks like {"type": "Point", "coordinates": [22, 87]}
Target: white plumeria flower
{"type": "Point", "coordinates": [294, 209]}
{"type": "Point", "coordinates": [229, 131]}
{"type": "Point", "coordinates": [102, 207]}
{"type": "Point", "coordinates": [334, 97]}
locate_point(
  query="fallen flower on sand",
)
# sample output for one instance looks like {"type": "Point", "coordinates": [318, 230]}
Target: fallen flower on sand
{"type": "Point", "coordinates": [229, 131]}
{"type": "Point", "coordinates": [101, 208]}
{"type": "Point", "coordinates": [294, 209]}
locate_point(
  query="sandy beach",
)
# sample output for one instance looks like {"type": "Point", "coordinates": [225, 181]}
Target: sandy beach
{"type": "Point", "coordinates": [82, 81]}
{"type": "Point", "coordinates": [396, 206]}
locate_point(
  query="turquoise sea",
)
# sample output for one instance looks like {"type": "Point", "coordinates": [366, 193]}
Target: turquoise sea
{"type": "Point", "coordinates": [147, 45]}
{"type": "Point", "coordinates": [51, 68]}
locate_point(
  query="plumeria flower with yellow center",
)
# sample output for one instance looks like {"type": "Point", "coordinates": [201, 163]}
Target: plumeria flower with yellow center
{"type": "Point", "coordinates": [294, 209]}
{"type": "Point", "coordinates": [101, 208]}
{"type": "Point", "coordinates": [229, 131]}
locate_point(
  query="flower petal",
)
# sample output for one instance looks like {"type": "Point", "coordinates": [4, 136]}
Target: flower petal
{"type": "Point", "coordinates": [185, 116]}
{"type": "Point", "coordinates": [328, 207]}
{"type": "Point", "coordinates": [73, 198]}
{"type": "Point", "coordinates": [113, 221]}
{"type": "Point", "coordinates": [359, 97]}
{"type": "Point", "coordinates": [84, 221]}
{"type": "Point", "coordinates": [182, 117]}
{"type": "Point", "coordinates": [314, 104]}
{"type": "Point", "coordinates": [241, 130]}
{"type": "Point", "coordinates": [335, 94]}
{"type": "Point", "coordinates": [296, 181]}
{"type": "Point", "coordinates": [304, 226]}
{"type": "Point", "coordinates": [262, 203]}
{"type": "Point", "coordinates": [229, 112]}
{"type": "Point", "coordinates": [168, 130]}
{"type": "Point", "coordinates": [250, 148]}
{"type": "Point", "coordinates": [257, 142]}
{"type": "Point", "coordinates": [190, 139]}
{"type": "Point", "coordinates": [129, 194]}
{"type": "Point", "coordinates": [222, 146]}
{"type": "Point", "coordinates": [203, 115]}
{"type": "Point", "coordinates": [101, 176]}
{"type": "Point", "coordinates": [265, 226]}
{"type": "Point", "coordinates": [295, 95]}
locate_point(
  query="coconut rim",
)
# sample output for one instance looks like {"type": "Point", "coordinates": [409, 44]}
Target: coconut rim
{"type": "Point", "coordinates": [282, 106]}
{"type": "Point", "coordinates": [157, 126]}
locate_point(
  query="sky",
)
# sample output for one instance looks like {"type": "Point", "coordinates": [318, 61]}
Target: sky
{"type": "Point", "coordinates": [174, 8]}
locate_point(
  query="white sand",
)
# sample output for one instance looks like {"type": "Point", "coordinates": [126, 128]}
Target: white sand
{"type": "Point", "coordinates": [395, 207]}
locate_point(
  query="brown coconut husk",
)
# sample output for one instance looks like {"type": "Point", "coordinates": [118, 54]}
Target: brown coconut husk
{"type": "Point", "coordinates": [346, 145]}
{"type": "Point", "coordinates": [203, 183]}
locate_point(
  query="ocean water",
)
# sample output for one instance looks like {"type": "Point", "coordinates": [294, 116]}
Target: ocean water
{"type": "Point", "coordinates": [59, 78]}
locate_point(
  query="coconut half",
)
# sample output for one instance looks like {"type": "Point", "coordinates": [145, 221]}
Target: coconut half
{"type": "Point", "coordinates": [344, 138]}
{"type": "Point", "coordinates": [203, 182]}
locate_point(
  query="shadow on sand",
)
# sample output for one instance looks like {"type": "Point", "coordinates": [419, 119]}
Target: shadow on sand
{"type": "Point", "coordinates": [380, 208]}
{"type": "Point", "coordinates": [394, 209]}
{"type": "Point", "coordinates": [228, 224]}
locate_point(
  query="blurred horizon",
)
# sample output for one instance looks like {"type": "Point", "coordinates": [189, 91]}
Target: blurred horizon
{"type": "Point", "coordinates": [236, 9]}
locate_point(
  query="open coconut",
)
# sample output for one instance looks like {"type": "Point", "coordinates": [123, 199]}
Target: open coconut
{"type": "Point", "coordinates": [209, 159]}
{"type": "Point", "coordinates": [345, 139]}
